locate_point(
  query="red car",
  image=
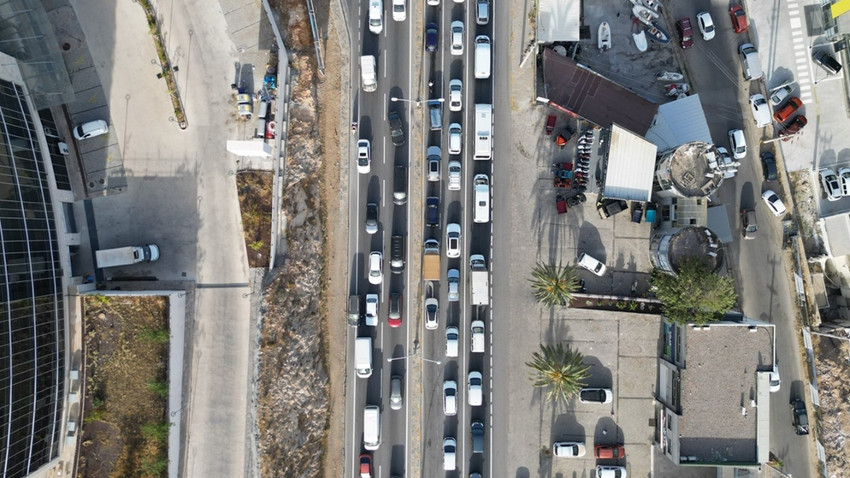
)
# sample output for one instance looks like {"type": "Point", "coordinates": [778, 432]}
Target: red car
{"type": "Point", "coordinates": [394, 316]}
{"type": "Point", "coordinates": [786, 111]}
{"type": "Point", "coordinates": [793, 127]}
{"type": "Point", "coordinates": [365, 465]}
{"type": "Point", "coordinates": [609, 452]}
{"type": "Point", "coordinates": [686, 33]}
{"type": "Point", "coordinates": [739, 18]}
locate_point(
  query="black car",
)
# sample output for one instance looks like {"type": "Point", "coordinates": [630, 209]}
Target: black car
{"type": "Point", "coordinates": [396, 128]}
{"type": "Point", "coordinates": [827, 62]}
{"type": "Point", "coordinates": [371, 218]}
{"type": "Point", "coordinates": [431, 38]}
{"type": "Point", "coordinates": [799, 417]}
{"type": "Point", "coordinates": [768, 166]}
{"type": "Point", "coordinates": [432, 211]}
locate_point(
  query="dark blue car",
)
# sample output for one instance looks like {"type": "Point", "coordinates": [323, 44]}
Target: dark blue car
{"type": "Point", "coordinates": [432, 211]}
{"type": "Point", "coordinates": [431, 37]}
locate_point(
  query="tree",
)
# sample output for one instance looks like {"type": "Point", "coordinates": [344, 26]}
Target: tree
{"type": "Point", "coordinates": [696, 295]}
{"type": "Point", "coordinates": [553, 285]}
{"type": "Point", "coordinates": [560, 369]}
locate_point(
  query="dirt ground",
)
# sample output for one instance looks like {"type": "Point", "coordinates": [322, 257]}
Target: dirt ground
{"type": "Point", "coordinates": [126, 355]}
{"type": "Point", "coordinates": [834, 387]}
{"type": "Point", "coordinates": [298, 390]}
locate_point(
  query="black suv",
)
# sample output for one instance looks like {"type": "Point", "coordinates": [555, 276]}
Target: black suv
{"type": "Point", "coordinates": [799, 417]}
{"type": "Point", "coordinates": [396, 128]}
{"type": "Point", "coordinates": [827, 62]}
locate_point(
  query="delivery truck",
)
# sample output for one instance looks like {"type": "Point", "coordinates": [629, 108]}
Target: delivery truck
{"type": "Point", "coordinates": [431, 259]}
{"type": "Point", "coordinates": [125, 256]}
{"type": "Point", "coordinates": [479, 276]}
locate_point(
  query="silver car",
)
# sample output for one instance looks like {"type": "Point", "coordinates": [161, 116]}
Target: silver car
{"type": "Point", "coordinates": [434, 163]}
{"type": "Point", "coordinates": [454, 285]}
{"type": "Point", "coordinates": [454, 175]}
{"type": "Point", "coordinates": [396, 400]}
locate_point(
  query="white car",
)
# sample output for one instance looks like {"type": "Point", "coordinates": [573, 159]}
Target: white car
{"type": "Point", "coordinates": [453, 240]}
{"type": "Point", "coordinates": [399, 10]}
{"type": "Point", "coordinates": [364, 156]}
{"type": "Point", "coordinates": [844, 179]}
{"type": "Point", "coordinates": [455, 169]}
{"type": "Point", "coordinates": [376, 16]}
{"type": "Point", "coordinates": [376, 267]}
{"type": "Point", "coordinates": [90, 129]}
{"type": "Point", "coordinates": [372, 310]}
{"type": "Point", "coordinates": [588, 262]}
{"type": "Point", "coordinates": [455, 138]}
{"type": "Point", "coordinates": [449, 453]}
{"type": "Point", "coordinates": [776, 206]}
{"type": "Point", "coordinates": [775, 382]}
{"type": "Point", "coordinates": [452, 336]}
{"type": "Point", "coordinates": [481, 197]}
{"type": "Point", "coordinates": [830, 184]}
{"type": "Point", "coordinates": [568, 449]}
{"type": "Point", "coordinates": [450, 398]}
{"type": "Point", "coordinates": [457, 37]}
{"type": "Point", "coordinates": [434, 163]}
{"type": "Point", "coordinates": [610, 471]}
{"type": "Point", "coordinates": [738, 143]}
{"type": "Point", "coordinates": [706, 25]}
{"type": "Point", "coordinates": [595, 395]}
{"type": "Point", "coordinates": [761, 110]}
{"type": "Point", "coordinates": [455, 95]}
{"type": "Point", "coordinates": [432, 307]}
{"type": "Point", "coordinates": [778, 95]}
{"type": "Point", "coordinates": [475, 393]}
{"type": "Point", "coordinates": [433, 2]}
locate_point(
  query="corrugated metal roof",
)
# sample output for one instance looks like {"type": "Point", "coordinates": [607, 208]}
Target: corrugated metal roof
{"type": "Point", "coordinates": [679, 122]}
{"type": "Point", "coordinates": [631, 166]}
{"type": "Point", "coordinates": [558, 20]}
{"type": "Point", "coordinates": [718, 222]}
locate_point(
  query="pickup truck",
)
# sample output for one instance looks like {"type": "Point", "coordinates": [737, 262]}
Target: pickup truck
{"type": "Point", "coordinates": [431, 260]}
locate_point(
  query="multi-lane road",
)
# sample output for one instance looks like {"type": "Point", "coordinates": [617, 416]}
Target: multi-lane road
{"type": "Point", "coordinates": [398, 58]}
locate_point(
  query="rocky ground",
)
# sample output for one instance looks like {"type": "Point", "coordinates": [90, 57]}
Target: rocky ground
{"type": "Point", "coordinates": [834, 388]}
{"type": "Point", "coordinates": [296, 395]}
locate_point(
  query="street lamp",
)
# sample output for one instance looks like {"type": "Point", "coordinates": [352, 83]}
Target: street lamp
{"type": "Point", "coordinates": [411, 355]}
{"type": "Point", "coordinates": [394, 99]}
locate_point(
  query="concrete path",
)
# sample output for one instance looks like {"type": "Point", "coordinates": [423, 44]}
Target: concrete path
{"type": "Point", "coordinates": [181, 194]}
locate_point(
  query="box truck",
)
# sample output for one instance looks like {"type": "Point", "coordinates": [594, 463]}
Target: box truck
{"type": "Point", "coordinates": [479, 276]}
{"type": "Point", "coordinates": [431, 259]}
{"type": "Point", "coordinates": [124, 256]}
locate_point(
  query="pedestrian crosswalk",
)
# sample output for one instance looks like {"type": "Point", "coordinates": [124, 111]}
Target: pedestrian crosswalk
{"type": "Point", "coordinates": [801, 51]}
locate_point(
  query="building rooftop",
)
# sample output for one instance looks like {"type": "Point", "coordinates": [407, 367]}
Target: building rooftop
{"type": "Point", "coordinates": [718, 389]}
{"type": "Point", "coordinates": [630, 166]}
{"type": "Point", "coordinates": [594, 97]}
{"type": "Point", "coordinates": [693, 169]}
{"type": "Point", "coordinates": [695, 242]}
{"type": "Point", "coordinates": [558, 20]}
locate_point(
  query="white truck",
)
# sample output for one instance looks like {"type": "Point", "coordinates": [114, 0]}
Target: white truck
{"type": "Point", "coordinates": [479, 277]}
{"type": "Point", "coordinates": [125, 256]}
{"type": "Point", "coordinates": [483, 132]}
{"type": "Point", "coordinates": [368, 73]}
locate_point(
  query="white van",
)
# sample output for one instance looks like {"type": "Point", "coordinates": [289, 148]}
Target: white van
{"type": "Point", "coordinates": [371, 427]}
{"type": "Point", "coordinates": [363, 356]}
{"type": "Point", "coordinates": [750, 62]}
{"type": "Point", "coordinates": [376, 16]}
{"type": "Point", "coordinates": [482, 57]}
{"type": "Point", "coordinates": [481, 196]}
{"type": "Point", "coordinates": [368, 73]}
{"type": "Point", "coordinates": [478, 336]}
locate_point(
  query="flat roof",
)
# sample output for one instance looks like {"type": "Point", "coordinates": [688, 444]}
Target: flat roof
{"type": "Point", "coordinates": [719, 422]}
{"type": "Point", "coordinates": [630, 166]}
{"type": "Point", "coordinates": [593, 97]}
{"type": "Point", "coordinates": [837, 231]}
{"type": "Point", "coordinates": [558, 20]}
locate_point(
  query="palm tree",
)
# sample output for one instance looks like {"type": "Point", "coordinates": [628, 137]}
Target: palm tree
{"type": "Point", "coordinates": [560, 369]}
{"type": "Point", "coordinates": [553, 285]}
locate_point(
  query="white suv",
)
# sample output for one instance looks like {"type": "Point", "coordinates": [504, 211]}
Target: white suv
{"type": "Point", "coordinates": [761, 110]}
{"type": "Point", "coordinates": [457, 37]}
{"type": "Point", "coordinates": [475, 383]}
{"type": "Point", "coordinates": [738, 143]}
{"type": "Point", "coordinates": [372, 310]}
{"type": "Point", "coordinates": [450, 398]}
{"type": "Point", "coordinates": [591, 264]}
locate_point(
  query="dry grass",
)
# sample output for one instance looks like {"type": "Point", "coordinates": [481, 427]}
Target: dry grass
{"type": "Point", "coordinates": [125, 431]}
{"type": "Point", "coordinates": [255, 204]}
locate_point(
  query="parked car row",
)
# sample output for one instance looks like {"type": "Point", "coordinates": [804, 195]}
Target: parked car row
{"type": "Point", "coordinates": [835, 186]}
